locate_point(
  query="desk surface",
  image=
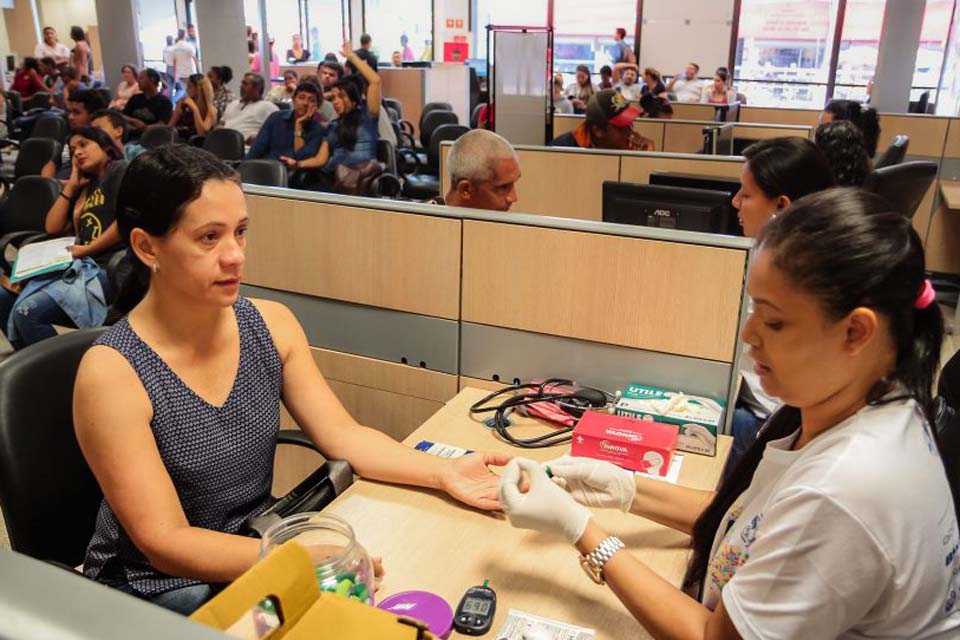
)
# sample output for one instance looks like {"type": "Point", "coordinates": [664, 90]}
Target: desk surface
{"type": "Point", "coordinates": [429, 543]}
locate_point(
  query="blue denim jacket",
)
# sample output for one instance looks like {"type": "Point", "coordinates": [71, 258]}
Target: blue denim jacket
{"type": "Point", "coordinates": [77, 290]}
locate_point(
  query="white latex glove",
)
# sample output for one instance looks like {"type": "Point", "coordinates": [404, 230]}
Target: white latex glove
{"type": "Point", "coordinates": [545, 506]}
{"type": "Point", "coordinates": [595, 483]}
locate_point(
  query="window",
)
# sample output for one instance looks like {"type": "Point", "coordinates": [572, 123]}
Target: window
{"type": "Point", "coordinates": [400, 26]}
{"type": "Point", "coordinates": [513, 13]}
{"type": "Point", "coordinates": [948, 93]}
{"type": "Point", "coordinates": [783, 51]}
{"type": "Point", "coordinates": [933, 40]}
{"type": "Point", "coordinates": [584, 32]}
{"type": "Point", "coordinates": [283, 20]}
{"type": "Point", "coordinates": [328, 28]}
{"type": "Point", "coordinates": [859, 48]}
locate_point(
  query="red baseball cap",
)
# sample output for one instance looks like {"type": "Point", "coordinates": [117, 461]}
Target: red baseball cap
{"type": "Point", "coordinates": [610, 107]}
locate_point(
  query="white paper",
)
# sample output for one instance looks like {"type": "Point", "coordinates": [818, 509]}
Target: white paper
{"type": "Point", "coordinates": [42, 255]}
{"type": "Point", "coordinates": [526, 626]}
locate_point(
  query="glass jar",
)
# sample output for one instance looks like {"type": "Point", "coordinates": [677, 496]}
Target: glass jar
{"type": "Point", "coordinates": [341, 564]}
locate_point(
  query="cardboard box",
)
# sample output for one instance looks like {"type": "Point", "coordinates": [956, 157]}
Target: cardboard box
{"type": "Point", "coordinates": [287, 577]}
{"type": "Point", "coordinates": [698, 418]}
{"type": "Point", "coordinates": [626, 442]}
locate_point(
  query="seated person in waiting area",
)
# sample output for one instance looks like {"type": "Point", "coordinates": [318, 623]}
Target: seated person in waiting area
{"type": "Point", "coordinates": [839, 522]}
{"type": "Point", "coordinates": [150, 106]}
{"type": "Point", "coordinates": [115, 125]}
{"type": "Point", "coordinates": [248, 114]}
{"type": "Point", "coordinates": [193, 377]}
{"type": "Point", "coordinates": [195, 113]}
{"type": "Point", "coordinates": [81, 106]}
{"type": "Point", "coordinates": [484, 170]}
{"type": "Point", "coordinates": [352, 138]}
{"type": "Point", "coordinates": [86, 209]}
{"type": "Point", "coordinates": [292, 132]}
{"type": "Point", "coordinates": [608, 125]}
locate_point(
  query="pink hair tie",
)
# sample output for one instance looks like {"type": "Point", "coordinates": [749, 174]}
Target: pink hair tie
{"type": "Point", "coordinates": [926, 297]}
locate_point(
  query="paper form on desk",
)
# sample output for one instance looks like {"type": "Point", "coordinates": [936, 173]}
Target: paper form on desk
{"type": "Point", "coordinates": [42, 257]}
{"type": "Point", "coordinates": [526, 626]}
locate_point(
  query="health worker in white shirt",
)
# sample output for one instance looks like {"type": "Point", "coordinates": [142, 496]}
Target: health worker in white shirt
{"type": "Point", "coordinates": [839, 521]}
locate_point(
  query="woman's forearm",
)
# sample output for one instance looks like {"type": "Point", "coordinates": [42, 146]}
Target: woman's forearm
{"type": "Point", "coordinates": [58, 217]}
{"type": "Point", "coordinates": [201, 554]}
{"type": "Point", "coordinates": [664, 611]}
{"type": "Point", "coordinates": [377, 456]}
{"type": "Point", "coordinates": [668, 504]}
{"type": "Point", "coordinates": [318, 161]}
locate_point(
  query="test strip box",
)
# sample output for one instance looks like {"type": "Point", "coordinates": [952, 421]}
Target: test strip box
{"type": "Point", "coordinates": [633, 444]}
{"type": "Point", "coordinates": [697, 417]}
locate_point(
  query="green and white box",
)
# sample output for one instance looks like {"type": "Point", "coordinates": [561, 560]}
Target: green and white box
{"type": "Point", "coordinates": [699, 418]}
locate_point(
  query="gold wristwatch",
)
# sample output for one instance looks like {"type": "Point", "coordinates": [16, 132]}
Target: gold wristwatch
{"type": "Point", "coordinates": [593, 562]}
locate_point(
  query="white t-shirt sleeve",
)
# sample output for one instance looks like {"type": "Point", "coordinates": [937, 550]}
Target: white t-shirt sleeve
{"type": "Point", "coordinates": [814, 571]}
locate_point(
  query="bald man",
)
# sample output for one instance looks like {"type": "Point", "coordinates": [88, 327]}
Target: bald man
{"type": "Point", "coordinates": [484, 170]}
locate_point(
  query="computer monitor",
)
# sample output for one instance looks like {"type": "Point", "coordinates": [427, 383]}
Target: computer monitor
{"type": "Point", "coordinates": [730, 186]}
{"type": "Point", "coordinates": [665, 207]}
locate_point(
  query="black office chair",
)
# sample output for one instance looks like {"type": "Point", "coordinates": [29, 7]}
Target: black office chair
{"type": "Point", "coordinates": [284, 106]}
{"type": "Point", "coordinates": [396, 105]}
{"type": "Point", "coordinates": [34, 155]}
{"type": "Point", "coordinates": [50, 126]}
{"type": "Point", "coordinates": [475, 116]}
{"type": "Point", "coordinates": [920, 106]}
{"type": "Point", "coordinates": [434, 106]}
{"type": "Point", "coordinates": [226, 144]}
{"type": "Point", "coordinates": [432, 120]}
{"type": "Point", "coordinates": [387, 184]}
{"type": "Point", "coordinates": [894, 154]}
{"type": "Point", "coordinates": [948, 423]}
{"type": "Point", "coordinates": [48, 496]}
{"type": "Point", "coordinates": [269, 173]}
{"type": "Point", "coordinates": [904, 185]}
{"type": "Point", "coordinates": [23, 213]}
{"type": "Point", "coordinates": [39, 100]}
{"type": "Point", "coordinates": [426, 184]}
{"type": "Point", "coordinates": [157, 135]}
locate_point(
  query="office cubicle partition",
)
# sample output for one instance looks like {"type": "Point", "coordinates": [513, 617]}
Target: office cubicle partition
{"type": "Point", "coordinates": [568, 183]}
{"type": "Point", "coordinates": [403, 303]}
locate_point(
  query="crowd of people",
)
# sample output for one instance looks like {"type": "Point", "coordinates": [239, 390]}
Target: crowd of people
{"type": "Point", "coordinates": [842, 348]}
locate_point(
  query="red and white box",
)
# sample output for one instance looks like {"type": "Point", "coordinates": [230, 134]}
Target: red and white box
{"type": "Point", "coordinates": [638, 445]}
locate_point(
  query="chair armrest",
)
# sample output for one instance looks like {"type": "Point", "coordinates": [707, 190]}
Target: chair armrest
{"type": "Point", "coordinates": [319, 489]}
{"type": "Point", "coordinates": [407, 127]}
{"type": "Point", "coordinates": [385, 185]}
{"type": "Point", "coordinates": [408, 158]}
{"type": "Point", "coordinates": [295, 437]}
{"type": "Point", "coordinates": [14, 239]}
{"type": "Point", "coordinates": [35, 237]}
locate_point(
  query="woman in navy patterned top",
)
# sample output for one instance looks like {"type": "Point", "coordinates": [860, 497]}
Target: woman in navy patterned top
{"type": "Point", "coordinates": [177, 405]}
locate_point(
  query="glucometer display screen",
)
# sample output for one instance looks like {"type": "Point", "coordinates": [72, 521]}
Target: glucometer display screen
{"type": "Point", "coordinates": [476, 606]}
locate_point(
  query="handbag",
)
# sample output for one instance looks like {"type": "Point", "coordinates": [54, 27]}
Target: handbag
{"type": "Point", "coordinates": [355, 180]}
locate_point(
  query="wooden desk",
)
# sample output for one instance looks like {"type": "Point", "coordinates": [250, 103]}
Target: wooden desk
{"type": "Point", "coordinates": [429, 542]}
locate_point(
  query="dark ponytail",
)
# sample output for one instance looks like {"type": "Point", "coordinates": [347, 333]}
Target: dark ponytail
{"type": "Point", "coordinates": [156, 188]}
{"type": "Point", "coordinates": [848, 249]}
{"type": "Point", "coordinates": [866, 120]}
{"type": "Point", "coordinates": [791, 167]}
{"type": "Point", "coordinates": [354, 87]}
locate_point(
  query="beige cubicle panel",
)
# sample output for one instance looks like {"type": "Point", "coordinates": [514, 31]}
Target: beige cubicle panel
{"type": "Point", "coordinates": [634, 292]}
{"type": "Point", "coordinates": [390, 397]}
{"type": "Point", "coordinates": [564, 123]}
{"type": "Point", "coordinates": [927, 133]}
{"type": "Point", "coordinates": [652, 129]}
{"type": "Point", "coordinates": [776, 115]}
{"type": "Point", "coordinates": [379, 258]}
{"type": "Point", "coordinates": [694, 111]}
{"type": "Point", "coordinates": [565, 183]}
{"type": "Point", "coordinates": [636, 167]}
{"type": "Point", "coordinates": [683, 136]}
{"type": "Point", "coordinates": [943, 231]}
{"type": "Point", "coordinates": [409, 86]}
{"type": "Point", "coordinates": [754, 131]}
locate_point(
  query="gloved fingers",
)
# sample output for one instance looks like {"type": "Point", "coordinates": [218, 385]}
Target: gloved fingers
{"type": "Point", "coordinates": [509, 489]}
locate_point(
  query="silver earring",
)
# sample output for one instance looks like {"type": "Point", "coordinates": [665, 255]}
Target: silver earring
{"type": "Point", "coordinates": [156, 267]}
